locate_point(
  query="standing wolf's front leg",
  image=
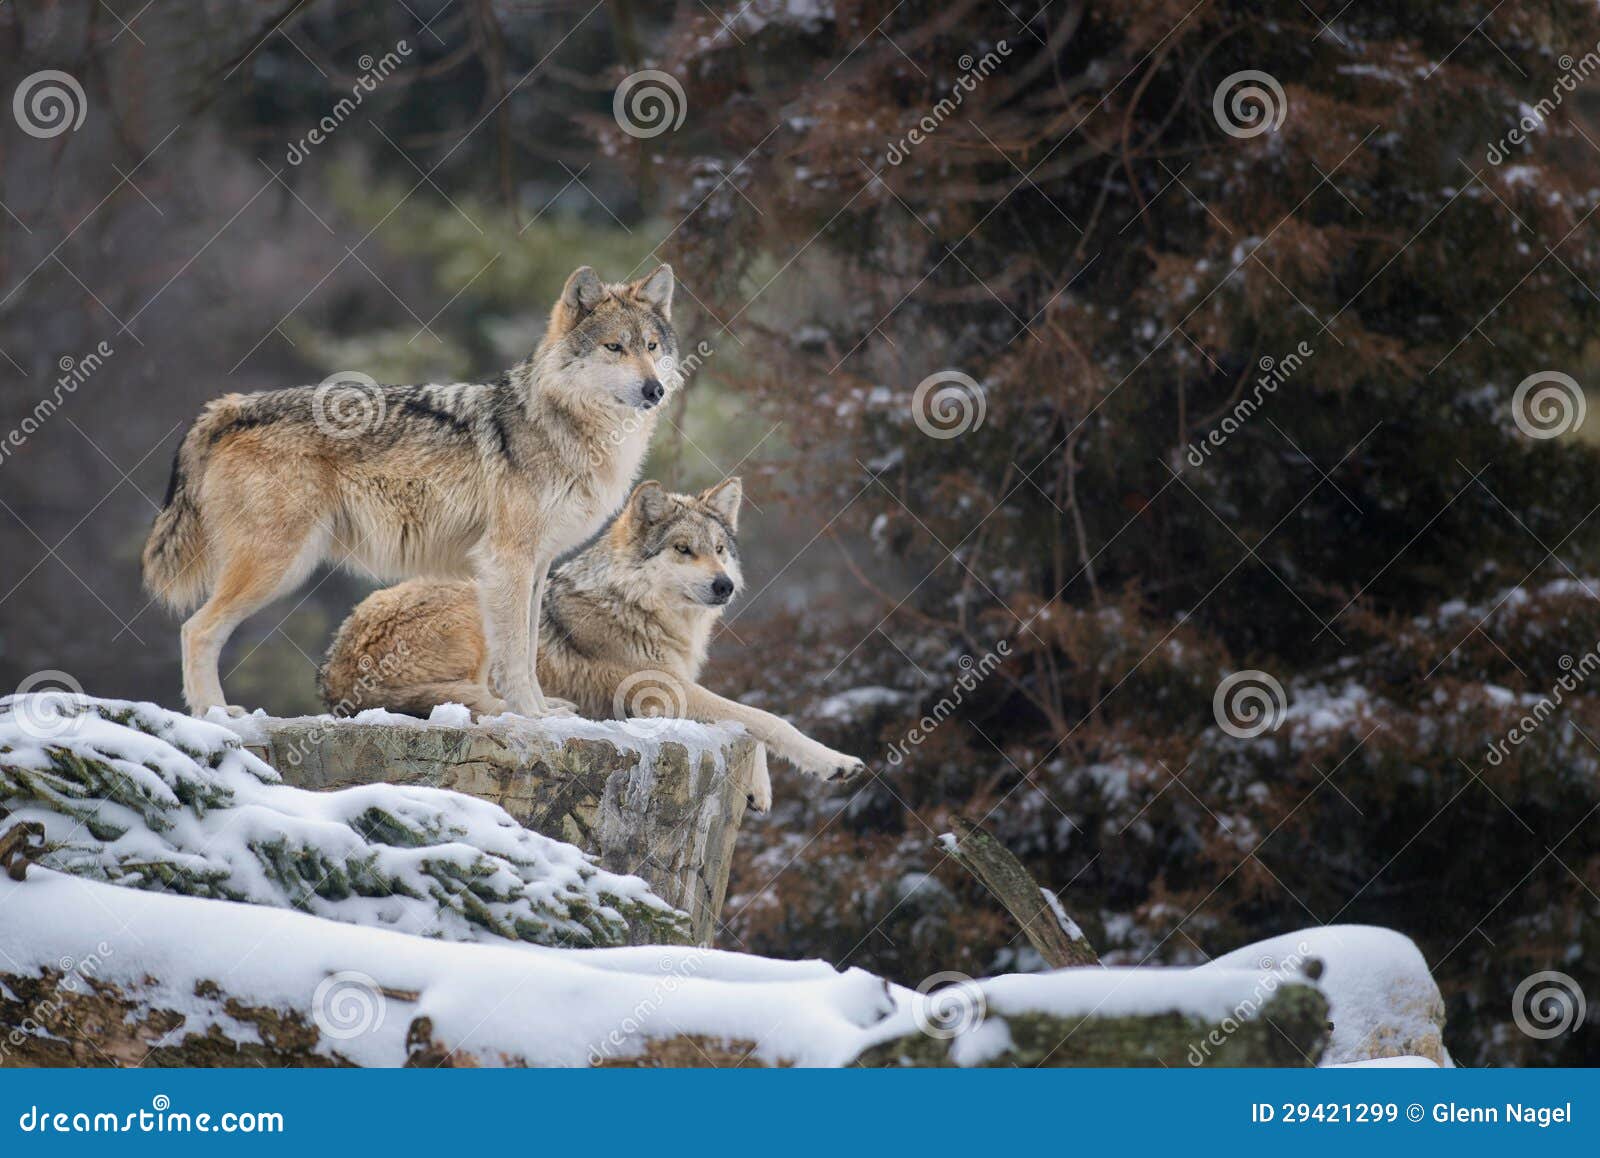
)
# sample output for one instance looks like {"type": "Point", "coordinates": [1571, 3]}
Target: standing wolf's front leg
{"type": "Point", "coordinates": [505, 594]}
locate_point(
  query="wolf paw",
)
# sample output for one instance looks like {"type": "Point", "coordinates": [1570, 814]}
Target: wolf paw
{"type": "Point", "coordinates": [759, 798]}
{"type": "Point", "coordinates": [846, 770]}
{"type": "Point", "coordinates": [228, 711]}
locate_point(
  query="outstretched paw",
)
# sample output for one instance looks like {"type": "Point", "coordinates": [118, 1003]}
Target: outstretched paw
{"type": "Point", "coordinates": [846, 770]}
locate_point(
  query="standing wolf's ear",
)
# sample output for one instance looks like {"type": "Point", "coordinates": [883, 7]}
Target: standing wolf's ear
{"type": "Point", "coordinates": [724, 498]}
{"type": "Point", "coordinates": [583, 292]}
{"type": "Point", "coordinates": [656, 290]}
{"type": "Point", "coordinates": [649, 502]}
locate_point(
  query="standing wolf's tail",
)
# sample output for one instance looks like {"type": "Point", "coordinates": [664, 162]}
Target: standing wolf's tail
{"type": "Point", "coordinates": [178, 568]}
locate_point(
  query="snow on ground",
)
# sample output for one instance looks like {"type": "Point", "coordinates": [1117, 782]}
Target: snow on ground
{"type": "Point", "coordinates": [573, 1007]}
{"type": "Point", "coordinates": [192, 794]}
{"type": "Point", "coordinates": [161, 800]}
{"type": "Point", "coordinates": [544, 1006]}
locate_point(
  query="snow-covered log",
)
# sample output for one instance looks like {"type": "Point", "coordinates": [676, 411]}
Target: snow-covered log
{"type": "Point", "coordinates": [1092, 1016]}
{"type": "Point", "coordinates": [93, 974]}
{"type": "Point", "coordinates": [662, 799]}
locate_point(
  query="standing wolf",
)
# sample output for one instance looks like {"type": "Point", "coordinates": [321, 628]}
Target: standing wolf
{"type": "Point", "coordinates": [491, 480]}
{"type": "Point", "coordinates": [624, 633]}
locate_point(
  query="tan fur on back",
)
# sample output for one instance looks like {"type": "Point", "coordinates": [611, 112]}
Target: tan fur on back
{"type": "Point", "coordinates": [491, 480]}
{"type": "Point", "coordinates": [624, 632]}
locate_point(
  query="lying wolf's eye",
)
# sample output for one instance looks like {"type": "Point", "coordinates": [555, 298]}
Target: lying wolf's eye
{"type": "Point", "coordinates": [721, 549]}
{"type": "Point", "coordinates": [614, 347]}
{"type": "Point", "coordinates": [651, 346]}
{"type": "Point", "coordinates": [683, 550]}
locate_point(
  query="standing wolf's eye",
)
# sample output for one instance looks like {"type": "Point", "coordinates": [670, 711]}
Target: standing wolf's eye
{"type": "Point", "coordinates": [684, 550]}
{"type": "Point", "coordinates": [651, 346]}
{"type": "Point", "coordinates": [721, 549]}
{"type": "Point", "coordinates": [614, 347]}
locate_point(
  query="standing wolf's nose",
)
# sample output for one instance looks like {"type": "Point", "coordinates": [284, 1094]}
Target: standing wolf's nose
{"type": "Point", "coordinates": [652, 391]}
{"type": "Point", "coordinates": [722, 588]}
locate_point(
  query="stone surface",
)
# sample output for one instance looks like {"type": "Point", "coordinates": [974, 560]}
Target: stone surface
{"type": "Point", "coordinates": [663, 800]}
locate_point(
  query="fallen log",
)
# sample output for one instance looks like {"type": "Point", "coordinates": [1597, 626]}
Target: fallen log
{"type": "Point", "coordinates": [1044, 921]}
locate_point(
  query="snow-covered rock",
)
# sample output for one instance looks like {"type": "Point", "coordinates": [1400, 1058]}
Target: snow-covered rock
{"type": "Point", "coordinates": [1382, 999]}
{"type": "Point", "coordinates": [134, 795]}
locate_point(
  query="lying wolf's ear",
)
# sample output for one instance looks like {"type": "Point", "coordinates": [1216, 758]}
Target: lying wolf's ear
{"type": "Point", "coordinates": [656, 290]}
{"type": "Point", "coordinates": [649, 502]}
{"type": "Point", "coordinates": [583, 292]}
{"type": "Point", "coordinates": [724, 498]}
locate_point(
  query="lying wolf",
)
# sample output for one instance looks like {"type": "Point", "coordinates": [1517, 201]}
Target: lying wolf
{"type": "Point", "coordinates": [488, 480]}
{"type": "Point", "coordinates": [624, 633]}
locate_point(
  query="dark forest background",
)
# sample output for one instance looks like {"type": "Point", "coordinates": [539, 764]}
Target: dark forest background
{"type": "Point", "coordinates": [1112, 270]}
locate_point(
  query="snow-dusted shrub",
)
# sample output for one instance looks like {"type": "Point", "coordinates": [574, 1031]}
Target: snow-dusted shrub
{"type": "Point", "coordinates": [135, 795]}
